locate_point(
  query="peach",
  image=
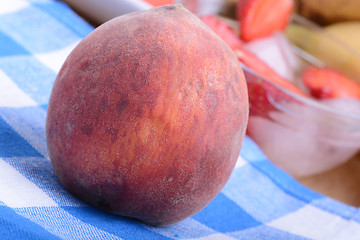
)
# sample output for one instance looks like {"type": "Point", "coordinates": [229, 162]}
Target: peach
{"type": "Point", "coordinates": [147, 116]}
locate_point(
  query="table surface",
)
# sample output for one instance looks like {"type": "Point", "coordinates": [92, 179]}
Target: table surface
{"type": "Point", "coordinates": [341, 183]}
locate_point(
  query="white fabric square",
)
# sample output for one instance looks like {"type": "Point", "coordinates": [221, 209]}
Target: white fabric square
{"type": "Point", "coordinates": [17, 191]}
{"type": "Point", "coordinates": [8, 6]}
{"type": "Point", "coordinates": [54, 60]}
{"type": "Point", "coordinates": [240, 162]}
{"type": "Point", "coordinates": [11, 95]}
{"type": "Point", "coordinates": [314, 223]}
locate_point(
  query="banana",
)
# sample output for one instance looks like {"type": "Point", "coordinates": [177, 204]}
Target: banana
{"type": "Point", "coordinates": [328, 11]}
{"type": "Point", "coordinates": [328, 49]}
{"type": "Point", "coordinates": [348, 32]}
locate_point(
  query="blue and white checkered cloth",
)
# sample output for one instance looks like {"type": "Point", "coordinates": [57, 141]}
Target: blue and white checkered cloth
{"type": "Point", "coordinates": [258, 202]}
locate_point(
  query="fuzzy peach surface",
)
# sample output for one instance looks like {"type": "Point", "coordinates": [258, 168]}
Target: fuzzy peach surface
{"type": "Point", "coordinates": [147, 116]}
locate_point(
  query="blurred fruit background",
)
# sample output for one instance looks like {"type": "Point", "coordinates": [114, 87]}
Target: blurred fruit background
{"type": "Point", "coordinates": [326, 12]}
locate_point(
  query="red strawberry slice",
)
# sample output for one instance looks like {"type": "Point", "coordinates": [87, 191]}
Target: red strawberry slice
{"type": "Point", "coordinates": [157, 3]}
{"type": "Point", "coordinates": [329, 83]}
{"type": "Point", "coordinates": [264, 70]}
{"type": "Point", "coordinates": [261, 18]}
{"type": "Point", "coordinates": [229, 35]}
{"type": "Point", "coordinates": [223, 30]}
{"type": "Point", "coordinates": [259, 90]}
{"type": "Point", "coordinates": [259, 93]}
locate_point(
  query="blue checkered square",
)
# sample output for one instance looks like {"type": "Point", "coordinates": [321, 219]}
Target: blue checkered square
{"type": "Point", "coordinates": [12, 144]}
{"type": "Point", "coordinates": [36, 30]}
{"type": "Point", "coordinates": [9, 47]}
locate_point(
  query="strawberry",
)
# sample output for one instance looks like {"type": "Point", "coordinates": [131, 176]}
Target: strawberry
{"type": "Point", "coordinates": [229, 35]}
{"type": "Point", "coordinates": [259, 93]}
{"type": "Point", "coordinates": [329, 83]}
{"type": "Point", "coordinates": [264, 70]}
{"type": "Point", "coordinates": [259, 90]}
{"type": "Point", "coordinates": [157, 3]}
{"type": "Point", "coordinates": [223, 30]}
{"type": "Point", "coordinates": [261, 18]}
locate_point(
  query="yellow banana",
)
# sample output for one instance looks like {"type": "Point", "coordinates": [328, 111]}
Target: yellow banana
{"type": "Point", "coordinates": [327, 47]}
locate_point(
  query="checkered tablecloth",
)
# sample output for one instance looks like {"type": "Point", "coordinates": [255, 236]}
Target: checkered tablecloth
{"type": "Point", "coordinates": [258, 202]}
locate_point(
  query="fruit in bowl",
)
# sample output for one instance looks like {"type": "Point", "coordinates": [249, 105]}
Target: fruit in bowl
{"type": "Point", "coordinates": [301, 135]}
{"type": "Point", "coordinates": [336, 46]}
{"type": "Point", "coordinates": [304, 112]}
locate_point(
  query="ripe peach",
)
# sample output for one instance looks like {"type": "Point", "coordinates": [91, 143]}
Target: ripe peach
{"type": "Point", "coordinates": [147, 116]}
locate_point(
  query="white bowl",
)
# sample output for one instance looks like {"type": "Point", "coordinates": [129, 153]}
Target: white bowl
{"type": "Point", "coordinates": [301, 135]}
